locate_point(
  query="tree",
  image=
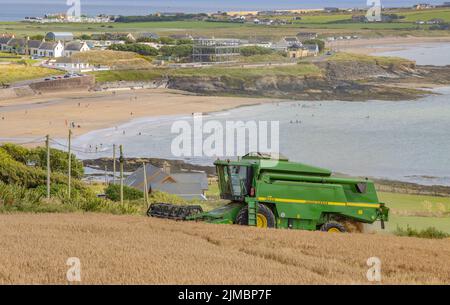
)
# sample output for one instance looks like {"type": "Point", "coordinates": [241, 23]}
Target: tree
{"type": "Point", "coordinates": [319, 42]}
{"type": "Point", "coordinates": [255, 50]}
{"type": "Point", "coordinates": [138, 48]}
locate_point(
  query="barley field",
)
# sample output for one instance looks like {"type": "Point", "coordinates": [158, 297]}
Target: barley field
{"type": "Point", "coordinates": [136, 250]}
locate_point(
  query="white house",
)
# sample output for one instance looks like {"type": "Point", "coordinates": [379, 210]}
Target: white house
{"type": "Point", "coordinates": [75, 47]}
{"type": "Point", "coordinates": [51, 49]}
{"type": "Point", "coordinates": [33, 47]}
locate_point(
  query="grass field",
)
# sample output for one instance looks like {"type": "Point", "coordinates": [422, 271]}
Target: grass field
{"type": "Point", "coordinates": [418, 212]}
{"type": "Point", "coordinates": [139, 250]}
{"type": "Point", "coordinates": [115, 59]}
{"type": "Point", "coordinates": [325, 24]}
{"type": "Point", "coordinates": [14, 72]}
{"type": "Point", "coordinates": [238, 73]}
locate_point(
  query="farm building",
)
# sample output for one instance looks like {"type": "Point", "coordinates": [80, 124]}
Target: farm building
{"type": "Point", "coordinates": [59, 36]}
{"type": "Point", "coordinates": [216, 50]}
{"type": "Point", "coordinates": [187, 185]}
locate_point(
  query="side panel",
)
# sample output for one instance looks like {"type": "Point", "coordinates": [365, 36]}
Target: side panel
{"type": "Point", "coordinates": [303, 205]}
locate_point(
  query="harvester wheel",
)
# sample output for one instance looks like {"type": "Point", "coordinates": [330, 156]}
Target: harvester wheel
{"type": "Point", "coordinates": [264, 219]}
{"type": "Point", "coordinates": [333, 227]}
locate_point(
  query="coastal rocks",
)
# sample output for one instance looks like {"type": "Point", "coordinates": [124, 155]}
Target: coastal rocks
{"type": "Point", "coordinates": [156, 84]}
{"type": "Point", "coordinates": [290, 87]}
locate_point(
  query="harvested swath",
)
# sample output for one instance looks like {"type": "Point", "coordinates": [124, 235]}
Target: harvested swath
{"type": "Point", "coordinates": [127, 249]}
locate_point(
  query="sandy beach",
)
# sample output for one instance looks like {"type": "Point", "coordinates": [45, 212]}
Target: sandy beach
{"type": "Point", "coordinates": [385, 44]}
{"type": "Point", "coordinates": [53, 113]}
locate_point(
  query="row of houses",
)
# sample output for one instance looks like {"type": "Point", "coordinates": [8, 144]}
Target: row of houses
{"type": "Point", "coordinates": [41, 48]}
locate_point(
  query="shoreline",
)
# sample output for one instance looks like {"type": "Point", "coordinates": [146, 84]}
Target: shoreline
{"type": "Point", "coordinates": [52, 113]}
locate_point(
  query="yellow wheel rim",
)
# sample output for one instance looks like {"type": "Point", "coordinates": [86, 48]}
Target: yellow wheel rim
{"type": "Point", "coordinates": [334, 230]}
{"type": "Point", "coordinates": [261, 221]}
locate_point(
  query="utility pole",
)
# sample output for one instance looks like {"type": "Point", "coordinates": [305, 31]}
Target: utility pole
{"type": "Point", "coordinates": [145, 184]}
{"type": "Point", "coordinates": [47, 145]}
{"type": "Point", "coordinates": [106, 174]}
{"type": "Point", "coordinates": [114, 163]}
{"type": "Point", "coordinates": [121, 160]}
{"type": "Point", "coordinates": [70, 163]}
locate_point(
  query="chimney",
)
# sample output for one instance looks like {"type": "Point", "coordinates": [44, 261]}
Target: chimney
{"type": "Point", "coordinates": [166, 167]}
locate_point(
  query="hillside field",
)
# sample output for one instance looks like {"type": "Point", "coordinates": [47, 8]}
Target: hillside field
{"type": "Point", "coordinates": [139, 250]}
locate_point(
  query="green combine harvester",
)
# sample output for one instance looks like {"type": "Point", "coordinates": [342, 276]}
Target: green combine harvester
{"type": "Point", "coordinates": [268, 192]}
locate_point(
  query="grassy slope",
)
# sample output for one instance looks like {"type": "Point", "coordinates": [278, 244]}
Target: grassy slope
{"type": "Point", "coordinates": [117, 59]}
{"type": "Point", "coordinates": [404, 208]}
{"type": "Point", "coordinates": [14, 73]}
{"type": "Point", "coordinates": [232, 72]}
{"type": "Point", "coordinates": [331, 23]}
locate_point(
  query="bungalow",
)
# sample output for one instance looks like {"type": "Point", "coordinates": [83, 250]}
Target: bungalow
{"type": "Point", "coordinates": [75, 47]}
{"type": "Point", "coordinates": [33, 47]}
{"type": "Point", "coordinates": [148, 36]}
{"type": "Point", "coordinates": [71, 65]}
{"type": "Point", "coordinates": [297, 51]}
{"type": "Point", "coordinates": [4, 42]}
{"type": "Point", "coordinates": [51, 49]}
{"type": "Point", "coordinates": [312, 49]}
{"type": "Point", "coordinates": [286, 43]}
{"type": "Point", "coordinates": [187, 185]}
{"type": "Point", "coordinates": [306, 35]}
{"type": "Point", "coordinates": [16, 45]}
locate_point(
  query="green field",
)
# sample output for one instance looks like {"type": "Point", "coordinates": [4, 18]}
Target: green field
{"type": "Point", "coordinates": [14, 73]}
{"type": "Point", "coordinates": [236, 73]}
{"type": "Point", "coordinates": [418, 212]}
{"type": "Point", "coordinates": [325, 24]}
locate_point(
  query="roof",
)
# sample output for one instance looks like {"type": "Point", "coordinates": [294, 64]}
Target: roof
{"type": "Point", "coordinates": [34, 43]}
{"type": "Point", "coordinates": [192, 177]}
{"type": "Point", "coordinates": [48, 45]}
{"type": "Point", "coordinates": [187, 191]}
{"type": "Point", "coordinates": [4, 40]}
{"type": "Point", "coordinates": [148, 35]}
{"type": "Point", "coordinates": [292, 39]}
{"type": "Point", "coordinates": [311, 47]}
{"type": "Point", "coordinates": [74, 46]}
{"type": "Point", "coordinates": [17, 42]}
{"type": "Point", "coordinates": [61, 33]}
{"type": "Point", "coordinates": [189, 185]}
{"type": "Point", "coordinates": [154, 175]}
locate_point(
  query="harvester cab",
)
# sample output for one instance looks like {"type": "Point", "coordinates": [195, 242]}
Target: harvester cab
{"type": "Point", "coordinates": [270, 192]}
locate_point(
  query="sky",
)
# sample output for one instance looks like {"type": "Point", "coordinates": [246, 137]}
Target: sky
{"type": "Point", "coordinates": [217, 5]}
{"type": "Point", "coordinates": [18, 9]}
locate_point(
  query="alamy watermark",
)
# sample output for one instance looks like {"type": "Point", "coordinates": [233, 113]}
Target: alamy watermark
{"type": "Point", "coordinates": [74, 11]}
{"type": "Point", "coordinates": [374, 272]}
{"type": "Point", "coordinates": [374, 12]}
{"type": "Point", "coordinates": [73, 274]}
{"type": "Point", "coordinates": [229, 139]}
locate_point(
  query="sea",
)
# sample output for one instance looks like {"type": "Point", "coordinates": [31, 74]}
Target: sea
{"type": "Point", "coordinates": [402, 140]}
{"type": "Point", "coordinates": [14, 10]}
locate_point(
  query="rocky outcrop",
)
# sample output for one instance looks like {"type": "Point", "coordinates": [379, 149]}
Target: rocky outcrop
{"type": "Point", "coordinates": [290, 87]}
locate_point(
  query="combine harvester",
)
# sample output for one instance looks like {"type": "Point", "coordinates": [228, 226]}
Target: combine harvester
{"type": "Point", "coordinates": [269, 192]}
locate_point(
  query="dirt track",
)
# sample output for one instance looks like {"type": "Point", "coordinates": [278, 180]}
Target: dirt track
{"type": "Point", "coordinates": [124, 249]}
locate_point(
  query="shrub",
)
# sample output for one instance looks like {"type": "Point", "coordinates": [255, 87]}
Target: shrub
{"type": "Point", "coordinates": [59, 160]}
{"type": "Point", "coordinates": [255, 50]}
{"type": "Point", "coordinates": [180, 51]}
{"type": "Point", "coordinates": [138, 48]}
{"type": "Point", "coordinates": [319, 42]}
{"type": "Point", "coordinates": [113, 193]}
{"type": "Point", "coordinates": [430, 232]}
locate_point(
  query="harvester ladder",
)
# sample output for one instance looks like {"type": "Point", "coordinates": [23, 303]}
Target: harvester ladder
{"type": "Point", "coordinates": [252, 211]}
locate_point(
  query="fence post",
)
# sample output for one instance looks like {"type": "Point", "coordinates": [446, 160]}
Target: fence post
{"type": "Point", "coordinates": [121, 160]}
{"type": "Point", "coordinates": [70, 163]}
{"type": "Point", "coordinates": [47, 145]}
